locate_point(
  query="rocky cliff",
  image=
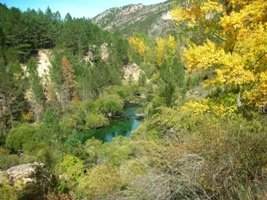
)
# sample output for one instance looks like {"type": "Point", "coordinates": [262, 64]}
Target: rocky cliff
{"type": "Point", "coordinates": [28, 181]}
{"type": "Point", "coordinates": [27, 173]}
{"type": "Point", "coordinates": [153, 20]}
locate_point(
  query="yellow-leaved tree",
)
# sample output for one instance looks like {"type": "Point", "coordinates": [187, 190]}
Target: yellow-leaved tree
{"type": "Point", "coordinates": [137, 44]}
{"type": "Point", "coordinates": [165, 46]}
{"type": "Point", "coordinates": [234, 52]}
{"type": "Point", "coordinates": [142, 47]}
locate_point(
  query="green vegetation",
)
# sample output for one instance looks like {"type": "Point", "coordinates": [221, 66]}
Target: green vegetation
{"type": "Point", "coordinates": [193, 143]}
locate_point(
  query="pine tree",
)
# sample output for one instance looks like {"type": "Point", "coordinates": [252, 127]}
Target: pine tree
{"type": "Point", "coordinates": [12, 99]}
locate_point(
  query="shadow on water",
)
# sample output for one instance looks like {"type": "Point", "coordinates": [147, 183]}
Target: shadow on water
{"type": "Point", "coordinates": [123, 126]}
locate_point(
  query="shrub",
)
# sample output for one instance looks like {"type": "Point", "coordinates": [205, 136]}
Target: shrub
{"type": "Point", "coordinates": [235, 154]}
{"type": "Point", "coordinates": [99, 181]}
{"type": "Point", "coordinates": [10, 160]}
{"type": "Point", "coordinates": [207, 156]}
{"type": "Point", "coordinates": [20, 137]}
{"type": "Point", "coordinates": [93, 148]}
{"type": "Point", "coordinates": [122, 91]}
{"type": "Point", "coordinates": [117, 151]}
{"type": "Point", "coordinates": [229, 154]}
{"type": "Point", "coordinates": [7, 161]}
{"type": "Point", "coordinates": [70, 170]}
{"type": "Point", "coordinates": [130, 169]}
{"type": "Point", "coordinates": [110, 104]}
{"type": "Point", "coordinates": [9, 192]}
{"type": "Point", "coordinates": [96, 120]}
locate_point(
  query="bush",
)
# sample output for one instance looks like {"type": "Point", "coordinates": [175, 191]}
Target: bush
{"type": "Point", "coordinates": [98, 182]}
{"type": "Point", "coordinates": [114, 153]}
{"type": "Point", "coordinates": [117, 151]}
{"type": "Point", "coordinates": [122, 91]}
{"type": "Point", "coordinates": [20, 137]}
{"type": "Point", "coordinates": [95, 120]}
{"type": "Point", "coordinates": [235, 154]}
{"type": "Point", "coordinates": [210, 156]}
{"type": "Point", "coordinates": [130, 169]}
{"type": "Point", "coordinates": [110, 104]}
{"type": "Point", "coordinates": [7, 161]}
{"type": "Point", "coordinates": [93, 149]}
{"type": "Point", "coordinates": [70, 170]}
{"type": "Point", "coordinates": [9, 192]}
{"type": "Point", "coordinates": [10, 160]}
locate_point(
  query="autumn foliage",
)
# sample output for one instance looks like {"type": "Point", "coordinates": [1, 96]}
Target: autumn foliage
{"type": "Point", "coordinates": [235, 52]}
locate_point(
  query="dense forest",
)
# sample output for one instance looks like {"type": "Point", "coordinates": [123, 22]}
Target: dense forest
{"type": "Point", "coordinates": [201, 93]}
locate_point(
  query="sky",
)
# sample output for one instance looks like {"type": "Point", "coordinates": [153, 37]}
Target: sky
{"type": "Point", "coordinates": [77, 8]}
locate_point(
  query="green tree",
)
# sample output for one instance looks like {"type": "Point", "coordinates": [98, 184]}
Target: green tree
{"type": "Point", "coordinates": [19, 137]}
{"type": "Point", "coordinates": [70, 168]}
{"type": "Point", "coordinates": [96, 120]}
{"type": "Point", "coordinates": [171, 72]}
{"type": "Point", "coordinates": [12, 99]}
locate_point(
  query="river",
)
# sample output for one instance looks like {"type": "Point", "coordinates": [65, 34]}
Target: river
{"type": "Point", "coordinates": [123, 126]}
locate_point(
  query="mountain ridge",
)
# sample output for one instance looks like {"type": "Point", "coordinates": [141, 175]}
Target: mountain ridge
{"type": "Point", "coordinates": [153, 20]}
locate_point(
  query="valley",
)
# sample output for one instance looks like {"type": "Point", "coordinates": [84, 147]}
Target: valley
{"type": "Point", "coordinates": [141, 102]}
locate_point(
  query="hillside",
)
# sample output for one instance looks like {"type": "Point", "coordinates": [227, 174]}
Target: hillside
{"type": "Point", "coordinates": [153, 20]}
{"type": "Point", "coordinates": [120, 113]}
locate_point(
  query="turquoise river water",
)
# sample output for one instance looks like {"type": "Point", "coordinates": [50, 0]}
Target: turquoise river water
{"type": "Point", "coordinates": [122, 126]}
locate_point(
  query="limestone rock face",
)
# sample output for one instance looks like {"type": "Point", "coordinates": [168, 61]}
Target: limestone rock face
{"type": "Point", "coordinates": [104, 54]}
{"type": "Point", "coordinates": [132, 9]}
{"type": "Point", "coordinates": [132, 73]}
{"type": "Point", "coordinates": [89, 57]}
{"type": "Point", "coordinates": [29, 181]}
{"type": "Point", "coordinates": [153, 20]}
{"type": "Point", "coordinates": [43, 64]}
{"type": "Point", "coordinates": [27, 173]}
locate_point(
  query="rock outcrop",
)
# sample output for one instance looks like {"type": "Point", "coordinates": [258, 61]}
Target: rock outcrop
{"type": "Point", "coordinates": [154, 20]}
{"type": "Point", "coordinates": [27, 173]}
{"type": "Point", "coordinates": [132, 73]}
{"type": "Point", "coordinates": [104, 54]}
{"type": "Point", "coordinates": [43, 64]}
{"type": "Point", "coordinates": [28, 181]}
